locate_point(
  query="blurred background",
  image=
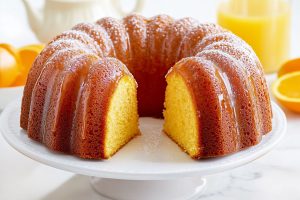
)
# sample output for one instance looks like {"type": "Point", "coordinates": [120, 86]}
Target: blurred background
{"type": "Point", "coordinates": [271, 26]}
{"type": "Point", "coordinates": [15, 27]}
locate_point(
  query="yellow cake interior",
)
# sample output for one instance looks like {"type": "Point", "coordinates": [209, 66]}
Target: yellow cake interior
{"type": "Point", "coordinates": [180, 115]}
{"type": "Point", "coordinates": [122, 118]}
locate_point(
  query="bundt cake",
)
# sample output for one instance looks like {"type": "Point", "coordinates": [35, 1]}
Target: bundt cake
{"type": "Point", "coordinates": [81, 94]}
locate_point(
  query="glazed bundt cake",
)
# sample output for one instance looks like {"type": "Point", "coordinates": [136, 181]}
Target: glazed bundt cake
{"type": "Point", "coordinates": [81, 94]}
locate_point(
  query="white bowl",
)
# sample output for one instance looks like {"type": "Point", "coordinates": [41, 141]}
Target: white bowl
{"type": "Point", "coordinates": [8, 94]}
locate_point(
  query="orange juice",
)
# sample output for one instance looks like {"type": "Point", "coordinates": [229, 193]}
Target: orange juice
{"type": "Point", "coordinates": [264, 24]}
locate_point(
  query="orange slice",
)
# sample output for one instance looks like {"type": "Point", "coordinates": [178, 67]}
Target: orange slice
{"type": "Point", "coordinates": [289, 66]}
{"type": "Point", "coordinates": [27, 56]}
{"type": "Point", "coordinates": [286, 90]}
{"type": "Point", "coordinates": [9, 65]}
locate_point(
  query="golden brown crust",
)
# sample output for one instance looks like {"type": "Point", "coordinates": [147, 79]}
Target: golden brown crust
{"type": "Point", "coordinates": [100, 36]}
{"type": "Point", "coordinates": [136, 27]}
{"type": "Point", "coordinates": [119, 37]}
{"type": "Point", "coordinates": [236, 47]}
{"type": "Point", "coordinates": [250, 63]}
{"type": "Point", "coordinates": [176, 33]}
{"type": "Point", "coordinates": [243, 97]}
{"type": "Point", "coordinates": [87, 137]}
{"type": "Point", "coordinates": [62, 107]}
{"type": "Point", "coordinates": [194, 36]}
{"type": "Point", "coordinates": [41, 92]}
{"type": "Point", "coordinates": [35, 72]}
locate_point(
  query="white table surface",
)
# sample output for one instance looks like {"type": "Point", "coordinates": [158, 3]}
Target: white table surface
{"type": "Point", "coordinates": [274, 176]}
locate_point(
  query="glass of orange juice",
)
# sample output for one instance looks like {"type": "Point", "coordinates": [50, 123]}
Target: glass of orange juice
{"type": "Point", "coordinates": [264, 24]}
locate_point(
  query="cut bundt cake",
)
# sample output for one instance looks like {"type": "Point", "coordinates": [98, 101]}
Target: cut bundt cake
{"type": "Point", "coordinates": [86, 89]}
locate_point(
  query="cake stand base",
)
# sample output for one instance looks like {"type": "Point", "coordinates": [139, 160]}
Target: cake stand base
{"type": "Point", "coordinates": [176, 189]}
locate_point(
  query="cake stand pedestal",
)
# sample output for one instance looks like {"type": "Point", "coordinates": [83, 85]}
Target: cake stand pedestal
{"type": "Point", "coordinates": [178, 189]}
{"type": "Point", "coordinates": [149, 167]}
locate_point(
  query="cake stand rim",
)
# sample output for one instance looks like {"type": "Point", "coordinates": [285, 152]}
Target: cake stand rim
{"type": "Point", "coordinates": [16, 143]}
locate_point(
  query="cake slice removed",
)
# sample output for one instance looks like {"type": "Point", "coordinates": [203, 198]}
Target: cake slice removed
{"type": "Point", "coordinates": [122, 116]}
{"type": "Point", "coordinates": [181, 123]}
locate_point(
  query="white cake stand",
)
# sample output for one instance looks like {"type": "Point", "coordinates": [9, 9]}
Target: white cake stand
{"type": "Point", "coordinates": [149, 167]}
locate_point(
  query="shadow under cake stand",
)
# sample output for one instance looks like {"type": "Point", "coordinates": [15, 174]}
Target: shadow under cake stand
{"type": "Point", "coordinates": [151, 166]}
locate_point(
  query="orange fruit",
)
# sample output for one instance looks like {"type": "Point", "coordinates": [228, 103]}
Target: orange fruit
{"type": "Point", "coordinates": [9, 65]}
{"type": "Point", "coordinates": [286, 90]}
{"type": "Point", "coordinates": [27, 56]}
{"type": "Point", "coordinates": [289, 66]}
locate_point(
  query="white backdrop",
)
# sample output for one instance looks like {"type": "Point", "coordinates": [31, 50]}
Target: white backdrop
{"type": "Point", "coordinates": [14, 27]}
